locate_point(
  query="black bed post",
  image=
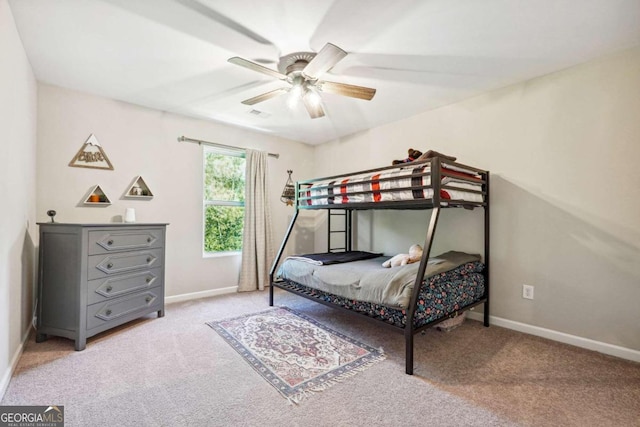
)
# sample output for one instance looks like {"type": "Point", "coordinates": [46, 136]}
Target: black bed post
{"type": "Point", "coordinates": [349, 229]}
{"type": "Point", "coordinates": [486, 249]}
{"type": "Point", "coordinates": [279, 255]}
{"type": "Point", "coordinates": [433, 222]}
{"type": "Point", "coordinates": [408, 328]}
{"type": "Point", "coordinates": [329, 230]}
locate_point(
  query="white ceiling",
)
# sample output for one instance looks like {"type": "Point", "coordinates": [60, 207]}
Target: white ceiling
{"type": "Point", "coordinates": [172, 55]}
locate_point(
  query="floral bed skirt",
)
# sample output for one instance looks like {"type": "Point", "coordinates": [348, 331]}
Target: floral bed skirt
{"type": "Point", "coordinates": [440, 296]}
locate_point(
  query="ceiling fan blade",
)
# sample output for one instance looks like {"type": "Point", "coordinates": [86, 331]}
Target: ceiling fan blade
{"type": "Point", "coordinates": [328, 56]}
{"type": "Point", "coordinates": [256, 67]}
{"type": "Point", "coordinates": [344, 89]}
{"type": "Point", "coordinates": [214, 16]}
{"type": "Point", "coordinates": [265, 96]}
{"type": "Point", "coordinates": [197, 19]}
{"type": "Point", "coordinates": [314, 108]}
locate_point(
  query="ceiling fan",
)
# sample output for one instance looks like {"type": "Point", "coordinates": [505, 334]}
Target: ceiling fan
{"type": "Point", "coordinates": [302, 70]}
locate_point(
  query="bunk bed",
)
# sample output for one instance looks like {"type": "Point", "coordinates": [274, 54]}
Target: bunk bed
{"type": "Point", "coordinates": [422, 294]}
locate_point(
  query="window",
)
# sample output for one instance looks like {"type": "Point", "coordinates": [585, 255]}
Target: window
{"type": "Point", "coordinates": [223, 200]}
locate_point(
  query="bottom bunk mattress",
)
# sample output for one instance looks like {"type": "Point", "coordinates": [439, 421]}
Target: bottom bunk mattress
{"type": "Point", "coordinates": [453, 281]}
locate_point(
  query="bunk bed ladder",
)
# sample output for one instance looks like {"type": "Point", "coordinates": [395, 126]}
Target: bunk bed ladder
{"type": "Point", "coordinates": [344, 227]}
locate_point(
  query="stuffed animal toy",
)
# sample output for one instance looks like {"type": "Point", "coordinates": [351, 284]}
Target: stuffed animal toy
{"type": "Point", "coordinates": [414, 255]}
{"type": "Point", "coordinates": [413, 155]}
{"type": "Point", "coordinates": [429, 154]}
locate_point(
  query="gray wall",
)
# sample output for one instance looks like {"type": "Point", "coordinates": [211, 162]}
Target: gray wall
{"type": "Point", "coordinates": [562, 150]}
{"type": "Point", "coordinates": [17, 194]}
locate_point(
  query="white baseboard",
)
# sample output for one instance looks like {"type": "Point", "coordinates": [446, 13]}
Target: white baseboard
{"type": "Point", "coordinates": [201, 294]}
{"type": "Point", "coordinates": [600, 347]}
{"type": "Point", "coordinates": [6, 378]}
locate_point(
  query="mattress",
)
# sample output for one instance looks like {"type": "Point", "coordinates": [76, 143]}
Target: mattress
{"type": "Point", "coordinates": [367, 280]}
{"type": "Point", "coordinates": [403, 183]}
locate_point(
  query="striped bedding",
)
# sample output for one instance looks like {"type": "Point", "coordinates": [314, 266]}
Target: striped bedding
{"type": "Point", "coordinates": [406, 183]}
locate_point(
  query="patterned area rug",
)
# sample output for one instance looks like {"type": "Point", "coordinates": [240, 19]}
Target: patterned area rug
{"type": "Point", "coordinates": [296, 354]}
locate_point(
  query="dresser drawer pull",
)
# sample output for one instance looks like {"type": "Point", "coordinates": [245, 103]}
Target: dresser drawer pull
{"type": "Point", "coordinates": [110, 242]}
{"type": "Point", "coordinates": [148, 239]}
{"type": "Point", "coordinates": [108, 312]}
{"type": "Point", "coordinates": [109, 288]}
{"type": "Point", "coordinates": [110, 265]}
{"type": "Point", "coordinates": [147, 299]}
{"type": "Point", "coordinates": [148, 259]}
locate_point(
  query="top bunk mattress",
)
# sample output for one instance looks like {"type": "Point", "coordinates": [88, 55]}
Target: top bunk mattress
{"type": "Point", "coordinates": [399, 183]}
{"type": "Point", "coordinates": [367, 280]}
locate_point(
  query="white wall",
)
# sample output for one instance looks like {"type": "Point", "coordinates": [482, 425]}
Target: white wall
{"type": "Point", "coordinates": [562, 150]}
{"type": "Point", "coordinates": [141, 141]}
{"type": "Point", "coordinates": [17, 194]}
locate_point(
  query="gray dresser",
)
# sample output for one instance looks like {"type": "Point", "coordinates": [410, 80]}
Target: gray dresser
{"type": "Point", "coordinates": [93, 277]}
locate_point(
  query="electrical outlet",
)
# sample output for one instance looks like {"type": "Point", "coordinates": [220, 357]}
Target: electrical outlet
{"type": "Point", "coordinates": [527, 291]}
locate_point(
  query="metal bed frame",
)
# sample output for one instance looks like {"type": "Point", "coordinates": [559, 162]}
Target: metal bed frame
{"type": "Point", "coordinates": [434, 205]}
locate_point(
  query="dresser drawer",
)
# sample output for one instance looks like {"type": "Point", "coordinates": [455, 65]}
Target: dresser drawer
{"type": "Point", "coordinates": [116, 286]}
{"type": "Point", "coordinates": [101, 242]}
{"type": "Point", "coordinates": [100, 266]}
{"type": "Point", "coordinates": [111, 311]}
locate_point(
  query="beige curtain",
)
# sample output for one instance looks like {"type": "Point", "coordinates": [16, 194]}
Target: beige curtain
{"type": "Point", "coordinates": [257, 243]}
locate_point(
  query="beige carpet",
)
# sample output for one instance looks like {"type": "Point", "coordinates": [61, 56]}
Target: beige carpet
{"type": "Point", "coordinates": [178, 371]}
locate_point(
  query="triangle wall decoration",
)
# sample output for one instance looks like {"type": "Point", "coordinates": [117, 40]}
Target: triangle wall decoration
{"type": "Point", "coordinates": [139, 190]}
{"type": "Point", "coordinates": [91, 155]}
{"type": "Point", "coordinates": [97, 197]}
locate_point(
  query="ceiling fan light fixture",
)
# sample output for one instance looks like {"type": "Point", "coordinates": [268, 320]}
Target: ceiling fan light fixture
{"type": "Point", "coordinates": [313, 97]}
{"type": "Point", "coordinates": [295, 93]}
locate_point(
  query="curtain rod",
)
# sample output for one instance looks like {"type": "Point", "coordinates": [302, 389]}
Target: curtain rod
{"type": "Point", "coordinates": [215, 144]}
